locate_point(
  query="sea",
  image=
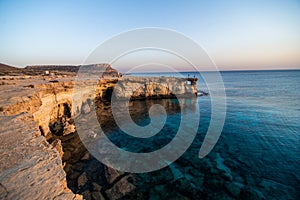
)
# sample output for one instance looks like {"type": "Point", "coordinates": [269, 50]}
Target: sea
{"type": "Point", "coordinates": [257, 155]}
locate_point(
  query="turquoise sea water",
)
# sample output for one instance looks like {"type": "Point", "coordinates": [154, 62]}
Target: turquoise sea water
{"type": "Point", "coordinates": [257, 155]}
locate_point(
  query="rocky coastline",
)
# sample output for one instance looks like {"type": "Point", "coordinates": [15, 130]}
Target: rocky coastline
{"type": "Point", "coordinates": [40, 150]}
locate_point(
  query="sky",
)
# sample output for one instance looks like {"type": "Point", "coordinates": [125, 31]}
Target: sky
{"type": "Point", "coordinates": [236, 35]}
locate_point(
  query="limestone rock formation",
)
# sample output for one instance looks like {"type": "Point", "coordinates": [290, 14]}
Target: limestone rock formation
{"type": "Point", "coordinates": [29, 167]}
{"type": "Point", "coordinates": [36, 115]}
{"type": "Point", "coordinates": [148, 87]}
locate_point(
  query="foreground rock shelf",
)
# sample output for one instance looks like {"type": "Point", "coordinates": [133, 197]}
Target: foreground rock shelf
{"type": "Point", "coordinates": [30, 167]}
{"type": "Point", "coordinates": [36, 119]}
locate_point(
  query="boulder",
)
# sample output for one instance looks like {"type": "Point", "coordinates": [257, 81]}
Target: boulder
{"type": "Point", "coordinates": [122, 188]}
{"type": "Point", "coordinates": [111, 174]}
{"type": "Point", "coordinates": [82, 180]}
{"type": "Point", "coordinates": [97, 195]}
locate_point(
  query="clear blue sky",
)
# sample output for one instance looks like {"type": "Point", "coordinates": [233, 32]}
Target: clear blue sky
{"type": "Point", "coordinates": [236, 34]}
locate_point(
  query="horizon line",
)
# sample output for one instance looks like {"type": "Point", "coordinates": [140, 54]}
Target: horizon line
{"type": "Point", "coordinates": [221, 70]}
{"type": "Point", "coordinates": [229, 70]}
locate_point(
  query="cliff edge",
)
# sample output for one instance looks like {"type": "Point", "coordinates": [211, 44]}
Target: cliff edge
{"type": "Point", "coordinates": [36, 110]}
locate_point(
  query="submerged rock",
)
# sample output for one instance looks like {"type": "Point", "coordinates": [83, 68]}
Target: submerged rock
{"type": "Point", "coordinates": [233, 189]}
{"type": "Point", "coordinates": [96, 187]}
{"type": "Point", "coordinates": [82, 180]}
{"type": "Point", "coordinates": [122, 188]}
{"type": "Point", "coordinates": [111, 174]}
{"type": "Point", "coordinates": [97, 195]}
{"type": "Point", "coordinates": [221, 195]}
{"type": "Point", "coordinates": [249, 194]}
{"type": "Point", "coordinates": [87, 195]}
{"type": "Point", "coordinates": [215, 184]}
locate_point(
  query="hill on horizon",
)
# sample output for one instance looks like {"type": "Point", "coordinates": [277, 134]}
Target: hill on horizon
{"type": "Point", "coordinates": [7, 70]}
{"type": "Point", "coordinates": [5, 67]}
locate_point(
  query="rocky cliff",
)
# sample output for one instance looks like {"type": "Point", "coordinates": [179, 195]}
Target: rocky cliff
{"type": "Point", "coordinates": [36, 112]}
{"type": "Point", "coordinates": [153, 87]}
{"type": "Point", "coordinates": [30, 167]}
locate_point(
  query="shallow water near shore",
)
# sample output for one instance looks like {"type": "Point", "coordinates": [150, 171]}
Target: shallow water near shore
{"type": "Point", "coordinates": [256, 157]}
{"type": "Point", "coordinates": [259, 146]}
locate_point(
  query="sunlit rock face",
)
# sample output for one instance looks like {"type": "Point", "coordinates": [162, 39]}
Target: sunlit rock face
{"type": "Point", "coordinates": [30, 167]}
{"type": "Point", "coordinates": [39, 143]}
{"type": "Point", "coordinates": [153, 87]}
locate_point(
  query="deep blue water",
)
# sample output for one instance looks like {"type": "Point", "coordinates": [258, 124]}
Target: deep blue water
{"type": "Point", "coordinates": [259, 148]}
